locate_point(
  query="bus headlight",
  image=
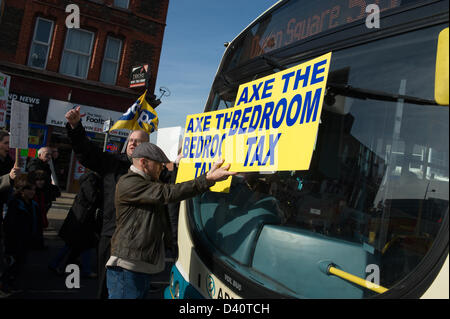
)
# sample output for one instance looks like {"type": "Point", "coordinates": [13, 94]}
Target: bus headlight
{"type": "Point", "coordinates": [176, 292]}
{"type": "Point", "coordinates": [171, 281]}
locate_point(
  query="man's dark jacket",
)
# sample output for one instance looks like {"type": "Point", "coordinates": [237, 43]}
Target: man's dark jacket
{"type": "Point", "coordinates": [109, 166]}
{"type": "Point", "coordinates": [142, 217]}
{"type": "Point", "coordinates": [79, 227]}
{"type": "Point", "coordinates": [6, 165]}
{"type": "Point", "coordinates": [18, 225]}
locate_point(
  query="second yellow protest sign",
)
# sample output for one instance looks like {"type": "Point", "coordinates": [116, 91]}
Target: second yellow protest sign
{"type": "Point", "coordinates": [272, 127]}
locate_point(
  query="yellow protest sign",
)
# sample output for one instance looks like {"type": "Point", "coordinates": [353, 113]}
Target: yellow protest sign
{"type": "Point", "coordinates": [272, 127]}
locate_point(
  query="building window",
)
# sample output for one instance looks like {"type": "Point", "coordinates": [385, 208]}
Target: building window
{"type": "Point", "coordinates": [2, 3]}
{"type": "Point", "coordinates": [1, 10]}
{"type": "Point", "coordinates": [41, 43]}
{"type": "Point", "coordinates": [121, 3]}
{"type": "Point", "coordinates": [77, 53]}
{"type": "Point", "coordinates": [111, 60]}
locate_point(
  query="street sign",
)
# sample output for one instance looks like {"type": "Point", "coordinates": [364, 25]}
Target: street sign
{"type": "Point", "coordinates": [106, 126]}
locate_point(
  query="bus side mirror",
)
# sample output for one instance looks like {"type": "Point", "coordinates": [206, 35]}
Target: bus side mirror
{"type": "Point", "coordinates": [441, 79]}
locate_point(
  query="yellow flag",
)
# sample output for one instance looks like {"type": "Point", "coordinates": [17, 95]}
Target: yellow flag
{"type": "Point", "coordinates": [140, 116]}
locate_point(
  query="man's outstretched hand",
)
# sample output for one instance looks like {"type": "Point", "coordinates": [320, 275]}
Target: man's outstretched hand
{"type": "Point", "coordinates": [15, 171]}
{"type": "Point", "coordinates": [73, 117]}
{"type": "Point", "coordinates": [218, 173]}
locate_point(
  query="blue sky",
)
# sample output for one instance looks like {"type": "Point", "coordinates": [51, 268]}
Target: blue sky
{"type": "Point", "coordinates": [192, 49]}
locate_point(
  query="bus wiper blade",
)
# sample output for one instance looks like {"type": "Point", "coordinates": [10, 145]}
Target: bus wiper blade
{"type": "Point", "coordinates": [273, 62]}
{"type": "Point", "coordinates": [365, 94]}
{"type": "Point", "coordinates": [226, 82]}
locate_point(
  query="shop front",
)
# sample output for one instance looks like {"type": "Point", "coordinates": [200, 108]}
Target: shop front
{"type": "Point", "coordinates": [47, 128]}
{"type": "Point", "coordinates": [93, 119]}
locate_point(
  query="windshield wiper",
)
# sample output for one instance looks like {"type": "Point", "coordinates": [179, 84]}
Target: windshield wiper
{"type": "Point", "coordinates": [365, 94]}
{"type": "Point", "coordinates": [226, 82]}
{"type": "Point", "coordinates": [272, 62]}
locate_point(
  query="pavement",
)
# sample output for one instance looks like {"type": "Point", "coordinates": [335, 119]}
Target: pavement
{"type": "Point", "coordinates": [38, 282]}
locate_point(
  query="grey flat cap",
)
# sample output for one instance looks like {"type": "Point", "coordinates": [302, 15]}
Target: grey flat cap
{"type": "Point", "coordinates": [150, 151]}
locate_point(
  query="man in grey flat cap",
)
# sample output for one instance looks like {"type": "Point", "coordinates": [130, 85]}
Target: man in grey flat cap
{"type": "Point", "coordinates": [142, 222]}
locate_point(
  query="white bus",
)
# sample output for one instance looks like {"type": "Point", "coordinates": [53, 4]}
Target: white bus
{"type": "Point", "coordinates": [369, 219]}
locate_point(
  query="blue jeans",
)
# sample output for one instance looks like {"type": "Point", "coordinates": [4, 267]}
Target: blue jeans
{"type": "Point", "coordinates": [127, 284]}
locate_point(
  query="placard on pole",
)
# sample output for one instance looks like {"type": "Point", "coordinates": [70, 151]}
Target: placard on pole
{"type": "Point", "coordinates": [19, 127]}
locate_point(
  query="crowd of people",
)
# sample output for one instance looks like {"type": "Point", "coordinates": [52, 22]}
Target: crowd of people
{"type": "Point", "coordinates": [25, 200]}
{"type": "Point", "coordinates": [122, 193]}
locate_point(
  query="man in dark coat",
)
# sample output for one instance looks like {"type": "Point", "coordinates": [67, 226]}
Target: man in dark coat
{"type": "Point", "coordinates": [41, 162]}
{"type": "Point", "coordinates": [7, 174]}
{"type": "Point", "coordinates": [21, 226]}
{"type": "Point", "coordinates": [79, 230]}
{"type": "Point", "coordinates": [110, 167]}
{"type": "Point", "coordinates": [143, 228]}
{"type": "Point", "coordinates": [7, 170]}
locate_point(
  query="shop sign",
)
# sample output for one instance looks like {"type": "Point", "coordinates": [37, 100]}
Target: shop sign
{"type": "Point", "coordinates": [137, 77]}
{"type": "Point", "coordinates": [38, 106]}
{"type": "Point", "coordinates": [112, 148]}
{"type": "Point", "coordinates": [92, 118]}
{"type": "Point", "coordinates": [79, 170]}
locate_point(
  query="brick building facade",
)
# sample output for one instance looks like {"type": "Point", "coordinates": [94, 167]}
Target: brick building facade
{"type": "Point", "coordinates": [57, 67]}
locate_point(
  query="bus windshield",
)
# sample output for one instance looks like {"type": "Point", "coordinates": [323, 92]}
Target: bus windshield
{"type": "Point", "coordinates": [376, 193]}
